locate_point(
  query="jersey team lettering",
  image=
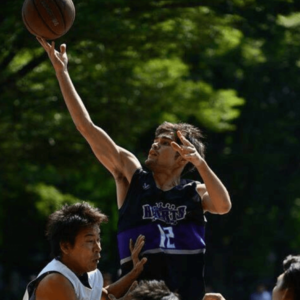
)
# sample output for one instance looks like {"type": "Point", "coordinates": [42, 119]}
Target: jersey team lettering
{"type": "Point", "coordinates": [169, 214]}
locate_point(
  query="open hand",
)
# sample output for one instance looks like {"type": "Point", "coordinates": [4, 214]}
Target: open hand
{"type": "Point", "coordinates": [138, 265]}
{"type": "Point", "coordinates": [187, 150]}
{"type": "Point", "coordinates": [58, 59]}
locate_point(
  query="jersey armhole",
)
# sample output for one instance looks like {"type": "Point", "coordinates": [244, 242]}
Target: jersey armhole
{"type": "Point", "coordinates": [133, 183]}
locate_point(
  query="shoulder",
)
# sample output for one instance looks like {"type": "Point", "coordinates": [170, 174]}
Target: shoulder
{"type": "Point", "coordinates": [129, 165]}
{"type": "Point", "coordinates": [55, 286]}
{"type": "Point", "coordinates": [141, 175]}
{"type": "Point", "coordinates": [95, 277]}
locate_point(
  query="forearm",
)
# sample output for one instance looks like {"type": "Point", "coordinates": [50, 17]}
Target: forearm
{"type": "Point", "coordinates": [218, 194]}
{"type": "Point", "coordinates": [120, 287]}
{"type": "Point", "coordinates": [73, 101]}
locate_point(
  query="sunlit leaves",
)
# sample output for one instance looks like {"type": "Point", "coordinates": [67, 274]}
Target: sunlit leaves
{"type": "Point", "coordinates": [181, 98]}
{"type": "Point", "coordinates": [252, 52]}
{"type": "Point", "coordinates": [290, 21]}
{"type": "Point", "coordinates": [221, 108]}
{"type": "Point", "coordinates": [50, 198]}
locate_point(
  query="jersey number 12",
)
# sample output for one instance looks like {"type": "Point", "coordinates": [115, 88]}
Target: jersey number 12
{"type": "Point", "coordinates": [166, 233]}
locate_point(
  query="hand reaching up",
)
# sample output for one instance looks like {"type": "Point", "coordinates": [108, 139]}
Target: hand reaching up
{"type": "Point", "coordinates": [58, 59]}
{"type": "Point", "coordinates": [138, 265]}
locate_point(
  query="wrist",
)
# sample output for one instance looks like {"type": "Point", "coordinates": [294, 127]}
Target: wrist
{"type": "Point", "coordinates": [200, 164]}
{"type": "Point", "coordinates": [60, 72]}
{"type": "Point", "coordinates": [135, 272]}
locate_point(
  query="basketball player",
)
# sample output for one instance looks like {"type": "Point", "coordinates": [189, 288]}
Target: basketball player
{"type": "Point", "coordinates": [166, 209]}
{"type": "Point", "coordinates": [74, 235]}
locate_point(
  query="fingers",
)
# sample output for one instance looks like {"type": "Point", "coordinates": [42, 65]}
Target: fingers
{"type": "Point", "coordinates": [139, 244]}
{"type": "Point", "coordinates": [43, 43]}
{"type": "Point", "coordinates": [143, 261]}
{"type": "Point", "coordinates": [136, 249]}
{"type": "Point", "coordinates": [51, 48]}
{"type": "Point", "coordinates": [184, 151]}
{"type": "Point", "coordinates": [63, 48]}
{"type": "Point", "coordinates": [140, 264]}
{"type": "Point", "coordinates": [176, 147]}
{"type": "Point", "coordinates": [183, 140]}
{"type": "Point", "coordinates": [133, 286]}
{"type": "Point", "coordinates": [131, 245]}
{"type": "Point", "coordinates": [112, 297]}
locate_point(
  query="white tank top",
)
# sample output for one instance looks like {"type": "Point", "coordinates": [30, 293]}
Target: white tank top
{"type": "Point", "coordinates": [82, 292]}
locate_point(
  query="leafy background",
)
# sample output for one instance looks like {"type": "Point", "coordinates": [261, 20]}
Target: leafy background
{"type": "Point", "coordinates": [228, 67]}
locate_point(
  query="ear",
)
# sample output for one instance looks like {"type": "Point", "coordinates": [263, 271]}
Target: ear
{"type": "Point", "coordinates": [65, 247]}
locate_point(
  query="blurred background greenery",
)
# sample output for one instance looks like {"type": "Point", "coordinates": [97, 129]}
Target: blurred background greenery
{"type": "Point", "coordinates": [229, 67]}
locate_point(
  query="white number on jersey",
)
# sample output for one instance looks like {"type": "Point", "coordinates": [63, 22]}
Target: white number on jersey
{"type": "Point", "coordinates": [166, 233]}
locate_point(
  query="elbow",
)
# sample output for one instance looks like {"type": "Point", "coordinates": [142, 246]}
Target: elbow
{"type": "Point", "coordinates": [84, 127]}
{"type": "Point", "coordinates": [225, 208]}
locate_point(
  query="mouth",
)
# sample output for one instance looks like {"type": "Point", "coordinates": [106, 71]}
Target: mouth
{"type": "Point", "coordinates": [152, 153]}
{"type": "Point", "coordinates": [97, 259]}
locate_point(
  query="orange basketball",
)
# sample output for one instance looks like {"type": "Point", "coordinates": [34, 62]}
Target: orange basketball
{"type": "Point", "coordinates": [49, 19]}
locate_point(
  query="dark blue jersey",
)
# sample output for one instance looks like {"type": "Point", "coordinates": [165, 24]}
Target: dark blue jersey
{"type": "Point", "coordinates": [174, 228]}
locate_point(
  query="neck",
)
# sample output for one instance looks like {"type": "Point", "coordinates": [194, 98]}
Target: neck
{"type": "Point", "coordinates": [70, 265]}
{"type": "Point", "coordinates": [164, 182]}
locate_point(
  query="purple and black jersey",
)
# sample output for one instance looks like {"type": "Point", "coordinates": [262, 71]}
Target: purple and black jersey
{"type": "Point", "coordinates": [174, 228]}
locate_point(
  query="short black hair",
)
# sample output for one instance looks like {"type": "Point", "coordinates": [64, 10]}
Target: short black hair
{"type": "Point", "coordinates": [291, 276]}
{"type": "Point", "coordinates": [153, 290]}
{"type": "Point", "coordinates": [64, 224]}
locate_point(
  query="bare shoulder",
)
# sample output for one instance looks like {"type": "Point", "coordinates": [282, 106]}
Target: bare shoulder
{"type": "Point", "coordinates": [55, 286]}
{"type": "Point", "coordinates": [130, 164]}
{"type": "Point", "coordinates": [127, 155]}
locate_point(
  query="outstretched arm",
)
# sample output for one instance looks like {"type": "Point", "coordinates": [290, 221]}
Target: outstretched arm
{"type": "Point", "coordinates": [120, 287]}
{"type": "Point", "coordinates": [215, 197]}
{"type": "Point", "coordinates": [116, 159]}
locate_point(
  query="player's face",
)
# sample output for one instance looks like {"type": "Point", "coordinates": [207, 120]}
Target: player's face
{"type": "Point", "coordinates": [278, 292]}
{"type": "Point", "coordinates": [85, 254]}
{"type": "Point", "coordinates": [161, 153]}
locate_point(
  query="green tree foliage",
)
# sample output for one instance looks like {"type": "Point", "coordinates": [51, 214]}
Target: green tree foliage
{"type": "Point", "coordinates": [229, 67]}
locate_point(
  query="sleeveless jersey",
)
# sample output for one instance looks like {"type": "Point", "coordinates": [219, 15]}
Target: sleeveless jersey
{"type": "Point", "coordinates": [95, 282]}
{"type": "Point", "coordinates": [173, 224]}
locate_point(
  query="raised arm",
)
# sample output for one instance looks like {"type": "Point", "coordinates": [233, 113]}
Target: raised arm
{"type": "Point", "coordinates": [120, 162]}
{"type": "Point", "coordinates": [120, 287]}
{"type": "Point", "coordinates": [215, 197]}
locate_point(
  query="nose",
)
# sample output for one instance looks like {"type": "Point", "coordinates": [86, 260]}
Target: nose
{"type": "Point", "coordinates": [98, 247]}
{"type": "Point", "coordinates": [155, 145]}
